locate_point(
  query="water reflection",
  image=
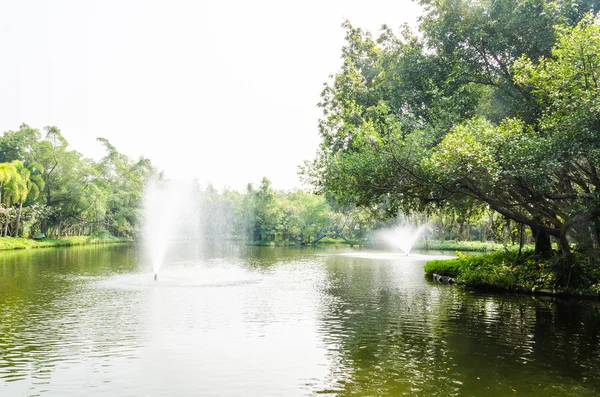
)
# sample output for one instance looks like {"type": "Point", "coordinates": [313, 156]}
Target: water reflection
{"type": "Point", "coordinates": [234, 320]}
{"type": "Point", "coordinates": [48, 317]}
{"type": "Point", "coordinates": [391, 334]}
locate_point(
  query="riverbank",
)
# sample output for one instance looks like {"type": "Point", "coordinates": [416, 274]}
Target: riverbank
{"type": "Point", "coordinates": [453, 245]}
{"type": "Point", "coordinates": [524, 272]}
{"type": "Point", "coordinates": [291, 243]}
{"type": "Point", "coordinates": [437, 245]}
{"type": "Point", "coordinates": [12, 243]}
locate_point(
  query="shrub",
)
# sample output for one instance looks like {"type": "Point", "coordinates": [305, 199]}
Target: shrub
{"type": "Point", "coordinates": [510, 270]}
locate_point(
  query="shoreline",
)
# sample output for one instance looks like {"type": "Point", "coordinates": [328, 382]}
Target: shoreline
{"type": "Point", "coordinates": [20, 243]}
{"type": "Point", "coordinates": [434, 245]}
{"type": "Point", "coordinates": [551, 292]}
{"type": "Point", "coordinates": [511, 272]}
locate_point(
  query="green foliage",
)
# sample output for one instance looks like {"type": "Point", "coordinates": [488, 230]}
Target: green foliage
{"type": "Point", "coordinates": [46, 187]}
{"type": "Point", "coordinates": [452, 245]}
{"type": "Point", "coordinates": [448, 267]}
{"type": "Point", "coordinates": [495, 107]}
{"type": "Point", "coordinates": [266, 216]}
{"type": "Point", "coordinates": [510, 270]}
{"type": "Point", "coordinates": [10, 243]}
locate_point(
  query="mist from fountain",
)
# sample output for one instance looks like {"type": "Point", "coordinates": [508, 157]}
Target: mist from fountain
{"type": "Point", "coordinates": [167, 207]}
{"type": "Point", "coordinates": [403, 236]}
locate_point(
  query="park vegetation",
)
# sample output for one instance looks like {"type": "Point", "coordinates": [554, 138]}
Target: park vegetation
{"type": "Point", "coordinates": [266, 216]}
{"type": "Point", "coordinates": [491, 106]}
{"type": "Point", "coordinates": [50, 190]}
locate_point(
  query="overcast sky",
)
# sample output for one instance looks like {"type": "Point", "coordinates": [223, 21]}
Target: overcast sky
{"type": "Point", "coordinates": [224, 91]}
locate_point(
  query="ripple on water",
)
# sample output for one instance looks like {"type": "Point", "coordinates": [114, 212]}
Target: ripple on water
{"type": "Point", "coordinates": [183, 276]}
{"type": "Point", "coordinates": [331, 324]}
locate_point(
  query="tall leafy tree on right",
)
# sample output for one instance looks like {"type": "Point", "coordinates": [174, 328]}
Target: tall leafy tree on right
{"type": "Point", "coordinates": [495, 105]}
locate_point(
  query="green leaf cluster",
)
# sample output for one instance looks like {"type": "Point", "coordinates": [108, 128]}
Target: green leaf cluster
{"type": "Point", "coordinates": [494, 105]}
{"type": "Point", "coordinates": [45, 187]}
{"type": "Point", "coordinates": [268, 216]}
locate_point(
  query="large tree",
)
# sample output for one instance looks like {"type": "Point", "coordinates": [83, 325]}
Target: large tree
{"type": "Point", "coordinates": [420, 123]}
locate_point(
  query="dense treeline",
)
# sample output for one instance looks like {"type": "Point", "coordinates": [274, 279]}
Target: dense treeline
{"type": "Point", "coordinates": [494, 105]}
{"type": "Point", "coordinates": [265, 215]}
{"type": "Point", "coordinates": [45, 187]}
{"type": "Point", "coordinates": [48, 188]}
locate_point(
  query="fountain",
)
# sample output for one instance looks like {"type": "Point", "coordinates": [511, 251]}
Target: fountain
{"type": "Point", "coordinates": [178, 231]}
{"type": "Point", "coordinates": [402, 236]}
{"type": "Point", "coordinates": [165, 207]}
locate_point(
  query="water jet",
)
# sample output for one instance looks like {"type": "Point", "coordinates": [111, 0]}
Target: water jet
{"type": "Point", "coordinates": [168, 210]}
{"type": "Point", "coordinates": [402, 237]}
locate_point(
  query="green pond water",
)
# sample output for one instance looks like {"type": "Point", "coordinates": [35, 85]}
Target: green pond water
{"type": "Point", "coordinates": [257, 321]}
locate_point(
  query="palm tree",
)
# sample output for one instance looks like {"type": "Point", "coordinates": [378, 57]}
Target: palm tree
{"type": "Point", "coordinates": [29, 186]}
{"type": "Point", "coordinates": [8, 189]}
{"type": "Point", "coordinates": [17, 189]}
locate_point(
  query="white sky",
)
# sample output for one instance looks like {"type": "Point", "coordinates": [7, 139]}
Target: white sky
{"type": "Point", "coordinates": [224, 91]}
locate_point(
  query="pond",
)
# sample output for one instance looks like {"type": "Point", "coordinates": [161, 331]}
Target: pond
{"type": "Point", "coordinates": [247, 321]}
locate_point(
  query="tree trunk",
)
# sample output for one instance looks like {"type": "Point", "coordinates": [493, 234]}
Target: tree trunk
{"type": "Point", "coordinates": [596, 233]}
{"type": "Point", "coordinates": [542, 242]}
{"type": "Point", "coordinates": [567, 258]}
{"type": "Point", "coordinates": [521, 237]}
{"type": "Point", "coordinates": [483, 232]}
{"type": "Point", "coordinates": [18, 224]}
{"type": "Point", "coordinates": [563, 243]}
{"type": "Point", "coordinates": [7, 217]}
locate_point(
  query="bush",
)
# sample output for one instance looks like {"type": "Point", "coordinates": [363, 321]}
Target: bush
{"type": "Point", "coordinates": [451, 245]}
{"type": "Point", "coordinates": [510, 270]}
{"type": "Point", "coordinates": [10, 243]}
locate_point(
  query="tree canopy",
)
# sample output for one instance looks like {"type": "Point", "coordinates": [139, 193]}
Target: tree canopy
{"type": "Point", "coordinates": [47, 187]}
{"type": "Point", "coordinates": [493, 104]}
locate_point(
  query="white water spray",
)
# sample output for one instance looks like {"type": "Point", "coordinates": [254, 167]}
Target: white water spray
{"type": "Point", "coordinates": [165, 208]}
{"type": "Point", "coordinates": [401, 237]}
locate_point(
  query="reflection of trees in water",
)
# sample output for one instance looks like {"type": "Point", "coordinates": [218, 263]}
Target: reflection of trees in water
{"type": "Point", "coordinates": [390, 337]}
{"type": "Point", "coordinates": [264, 257]}
{"type": "Point", "coordinates": [45, 318]}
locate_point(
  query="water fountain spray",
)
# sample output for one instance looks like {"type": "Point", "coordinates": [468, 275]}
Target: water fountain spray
{"type": "Point", "coordinates": [164, 207]}
{"type": "Point", "coordinates": [402, 236]}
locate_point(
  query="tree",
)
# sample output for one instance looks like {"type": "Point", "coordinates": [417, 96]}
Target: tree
{"type": "Point", "coordinates": [567, 85]}
{"type": "Point", "coordinates": [31, 185]}
{"type": "Point", "coordinates": [267, 212]}
{"type": "Point", "coordinates": [414, 125]}
{"type": "Point", "coordinates": [67, 193]}
{"type": "Point", "coordinates": [124, 181]}
{"type": "Point", "coordinates": [18, 145]}
{"type": "Point", "coordinates": [313, 215]}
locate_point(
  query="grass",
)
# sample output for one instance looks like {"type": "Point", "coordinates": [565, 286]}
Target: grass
{"type": "Point", "coordinates": [292, 243]}
{"type": "Point", "coordinates": [512, 271]}
{"type": "Point", "coordinates": [13, 243]}
{"type": "Point", "coordinates": [453, 245]}
{"type": "Point", "coordinates": [447, 245]}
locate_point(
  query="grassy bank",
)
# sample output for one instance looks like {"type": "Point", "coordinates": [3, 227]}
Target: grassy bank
{"type": "Point", "coordinates": [452, 245]}
{"type": "Point", "coordinates": [511, 271]}
{"type": "Point", "coordinates": [447, 245]}
{"type": "Point", "coordinates": [12, 243]}
{"type": "Point", "coordinates": [282, 243]}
